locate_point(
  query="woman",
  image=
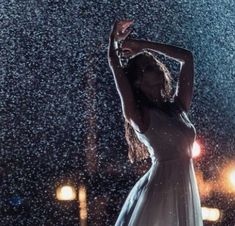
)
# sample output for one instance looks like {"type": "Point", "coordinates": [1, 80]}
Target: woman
{"type": "Point", "coordinates": [156, 124]}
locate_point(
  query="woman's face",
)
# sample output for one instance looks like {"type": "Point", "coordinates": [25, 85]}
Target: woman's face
{"type": "Point", "coordinates": [151, 82]}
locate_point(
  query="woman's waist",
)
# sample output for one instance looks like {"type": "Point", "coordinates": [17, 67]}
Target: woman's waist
{"type": "Point", "coordinates": [160, 160]}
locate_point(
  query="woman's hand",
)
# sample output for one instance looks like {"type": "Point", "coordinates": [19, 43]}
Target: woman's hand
{"type": "Point", "coordinates": [119, 29]}
{"type": "Point", "coordinates": [118, 34]}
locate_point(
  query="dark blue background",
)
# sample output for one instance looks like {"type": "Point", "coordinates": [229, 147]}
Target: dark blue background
{"type": "Point", "coordinates": [61, 116]}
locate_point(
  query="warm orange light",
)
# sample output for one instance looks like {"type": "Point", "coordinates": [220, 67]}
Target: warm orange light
{"type": "Point", "coordinates": [226, 182]}
{"type": "Point", "coordinates": [232, 177]}
{"type": "Point", "coordinates": [66, 192]}
{"type": "Point", "coordinates": [196, 149]}
{"type": "Point", "coordinates": [82, 196]}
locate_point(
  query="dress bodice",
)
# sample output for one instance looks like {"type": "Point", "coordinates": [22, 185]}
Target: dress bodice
{"type": "Point", "coordinates": [168, 136]}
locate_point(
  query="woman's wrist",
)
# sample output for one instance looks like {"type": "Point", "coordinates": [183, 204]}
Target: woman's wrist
{"type": "Point", "coordinates": [113, 47]}
{"type": "Point", "coordinates": [115, 44]}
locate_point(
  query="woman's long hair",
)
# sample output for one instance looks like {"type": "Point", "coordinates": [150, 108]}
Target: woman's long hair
{"type": "Point", "coordinates": [137, 150]}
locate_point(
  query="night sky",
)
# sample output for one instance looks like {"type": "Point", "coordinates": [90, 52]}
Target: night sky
{"type": "Point", "coordinates": [61, 116]}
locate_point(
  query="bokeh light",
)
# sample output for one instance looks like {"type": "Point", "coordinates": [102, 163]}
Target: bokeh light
{"type": "Point", "coordinates": [196, 149]}
{"type": "Point", "coordinates": [66, 192]}
{"type": "Point", "coordinates": [82, 196]}
{"type": "Point", "coordinates": [210, 214]}
{"type": "Point", "coordinates": [232, 177]}
{"type": "Point", "coordinates": [226, 180]}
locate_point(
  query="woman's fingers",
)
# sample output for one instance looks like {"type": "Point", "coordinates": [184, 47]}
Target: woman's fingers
{"type": "Point", "coordinates": [120, 28]}
{"type": "Point", "coordinates": [122, 36]}
{"type": "Point", "coordinates": [126, 34]}
{"type": "Point", "coordinates": [127, 24]}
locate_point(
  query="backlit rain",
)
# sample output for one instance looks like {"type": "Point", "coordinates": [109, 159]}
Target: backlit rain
{"type": "Point", "coordinates": [64, 156]}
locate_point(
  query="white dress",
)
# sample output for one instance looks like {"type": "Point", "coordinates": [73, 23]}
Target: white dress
{"type": "Point", "coordinates": [167, 194]}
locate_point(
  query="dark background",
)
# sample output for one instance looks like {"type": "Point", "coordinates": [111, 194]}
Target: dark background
{"type": "Point", "coordinates": [61, 119]}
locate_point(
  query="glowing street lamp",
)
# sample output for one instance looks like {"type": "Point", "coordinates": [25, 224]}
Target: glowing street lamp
{"type": "Point", "coordinates": [211, 214]}
{"type": "Point", "coordinates": [66, 192]}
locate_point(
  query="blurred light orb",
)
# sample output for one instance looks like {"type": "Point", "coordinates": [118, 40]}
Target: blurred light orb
{"type": "Point", "coordinates": [196, 149]}
{"type": "Point", "coordinates": [227, 177]}
{"type": "Point", "coordinates": [232, 177]}
{"type": "Point", "coordinates": [82, 197]}
{"type": "Point", "coordinates": [82, 194]}
{"type": "Point", "coordinates": [16, 200]}
{"type": "Point", "coordinates": [211, 214]}
{"type": "Point", "coordinates": [66, 192]}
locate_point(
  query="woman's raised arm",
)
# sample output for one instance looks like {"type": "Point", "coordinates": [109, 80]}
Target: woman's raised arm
{"type": "Point", "coordinates": [129, 108]}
